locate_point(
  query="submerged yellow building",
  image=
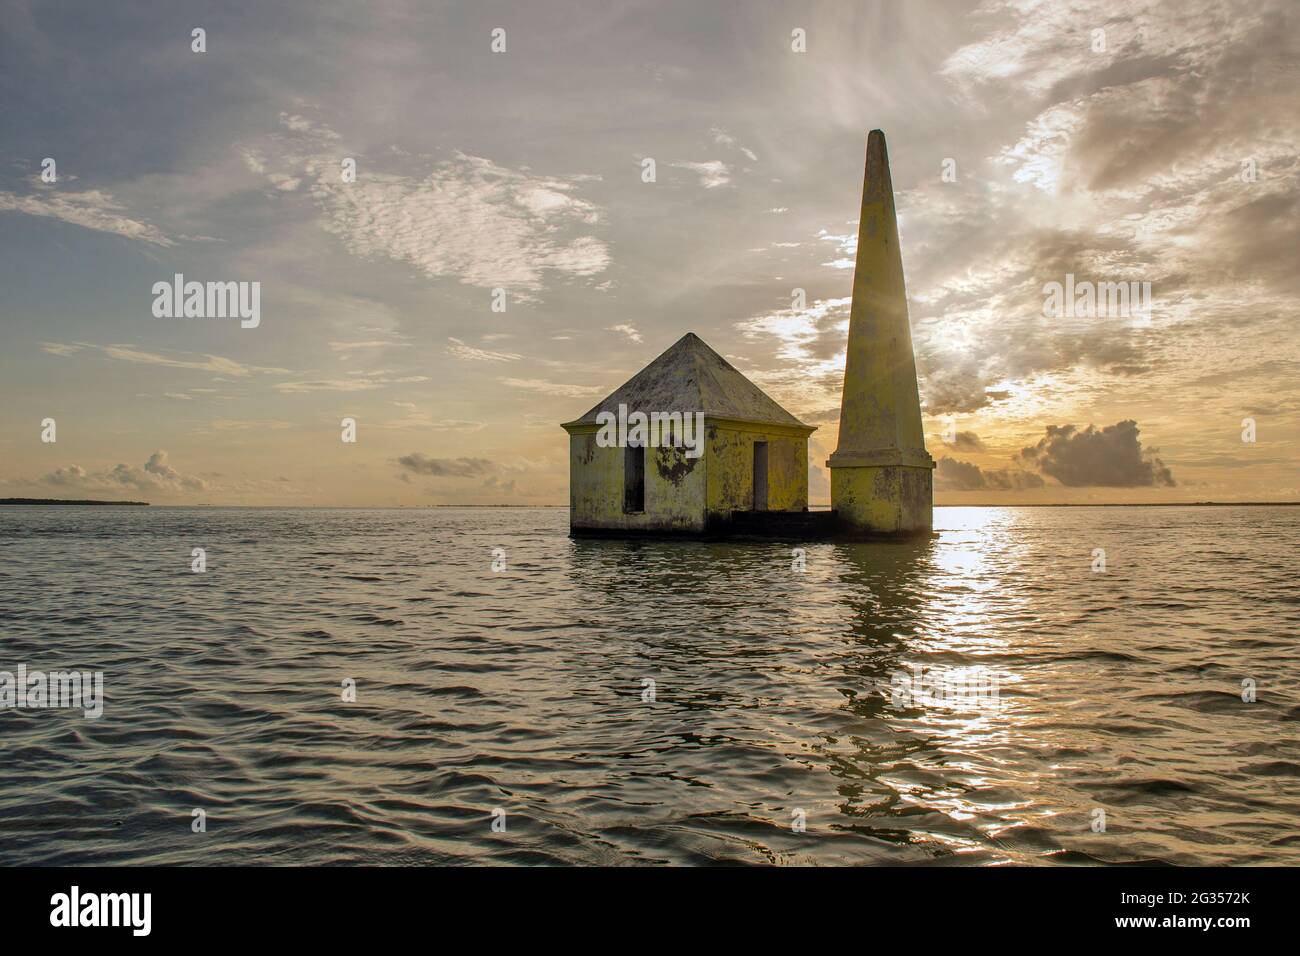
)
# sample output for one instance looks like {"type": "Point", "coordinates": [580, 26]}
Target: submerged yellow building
{"type": "Point", "coordinates": [691, 446]}
{"type": "Point", "coordinates": [722, 446]}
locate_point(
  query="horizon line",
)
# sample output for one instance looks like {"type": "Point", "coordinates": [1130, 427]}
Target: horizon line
{"type": "Point", "coordinates": [53, 502]}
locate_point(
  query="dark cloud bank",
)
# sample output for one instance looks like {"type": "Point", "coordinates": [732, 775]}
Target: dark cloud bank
{"type": "Point", "coordinates": [953, 475]}
{"type": "Point", "coordinates": [418, 463]}
{"type": "Point", "coordinates": [1110, 457]}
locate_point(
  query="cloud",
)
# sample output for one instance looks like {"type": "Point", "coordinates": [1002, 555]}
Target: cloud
{"type": "Point", "coordinates": [552, 388]}
{"type": "Point", "coordinates": [968, 441]}
{"type": "Point", "coordinates": [236, 425]}
{"type": "Point", "coordinates": [359, 383]}
{"type": "Point", "coordinates": [822, 416]}
{"type": "Point", "coordinates": [369, 344]}
{"type": "Point", "coordinates": [713, 173]}
{"type": "Point", "coordinates": [627, 330]}
{"type": "Point", "coordinates": [417, 463]}
{"type": "Point", "coordinates": [469, 219]}
{"type": "Point", "coordinates": [953, 475]}
{"type": "Point", "coordinates": [215, 364]}
{"type": "Point", "coordinates": [72, 475]}
{"type": "Point", "coordinates": [301, 124]}
{"type": "Point", "coordinates": [469, 353]}
{"type": "Point", "coordinates": [157, 467]}
{"type": "Point", "coordinates": [61, 348]}
{"type": "Point", "coordinates": [807, 336]}
{"type": "Point", "coordinates": [465, 218]}
{"type": "Point", "coordinates": [809, 371]}
{"type": "Point", "coordinates": [723, 138]}
{"type": "Point", "coordinates": [156, 476]}
{"type": "Point", "coordinates": [1111, 457]}
{"type": "Point", "coordinates": [90, 209]}
{"type": "Point", "coordinates": [1127, 167]}
{"type": "Point", "coordinates": [421, 421]}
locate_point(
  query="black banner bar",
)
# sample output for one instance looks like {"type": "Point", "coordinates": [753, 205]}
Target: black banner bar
{"type": "Point", "coordinates": [328, 905]}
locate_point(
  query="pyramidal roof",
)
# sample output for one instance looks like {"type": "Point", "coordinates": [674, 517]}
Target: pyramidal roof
{"type": "Point", "coordinates": [691, 377]}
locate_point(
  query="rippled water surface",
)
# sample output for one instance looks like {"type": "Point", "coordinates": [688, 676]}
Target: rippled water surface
{"type": "Point", "coordinates": [522, 690]}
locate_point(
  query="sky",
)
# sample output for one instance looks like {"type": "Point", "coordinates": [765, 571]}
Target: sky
{"type": "Point", "coordinates": [1143, 142]}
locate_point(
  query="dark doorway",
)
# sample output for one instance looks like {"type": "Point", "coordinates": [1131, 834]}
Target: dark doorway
{"type": "Point", "coordinates": [633, 480]}
{"type": "Point", "coordinates": [760, 476]}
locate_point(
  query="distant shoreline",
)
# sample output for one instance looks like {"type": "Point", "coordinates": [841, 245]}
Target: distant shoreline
{"type": "Point", "coordinates": [65, 501]}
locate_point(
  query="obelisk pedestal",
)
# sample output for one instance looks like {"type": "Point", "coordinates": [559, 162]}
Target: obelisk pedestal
{"type": "Point", "coordinates": [881, 474]}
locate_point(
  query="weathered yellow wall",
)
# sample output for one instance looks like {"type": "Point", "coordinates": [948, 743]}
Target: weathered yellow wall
{"type": "Point", "coordinates": [892, 499]}
{"type": "Point", "coordinates": [730, 457]}
{"type": "Point", "coordinates": [674, 488]}
{"type": "Point", "coordinates": [685, 494]}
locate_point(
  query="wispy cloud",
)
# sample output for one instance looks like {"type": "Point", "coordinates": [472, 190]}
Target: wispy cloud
{"type": "Point", "coordinates": [61, 348]}
{"type": "Point", "coordinates": [713, 173]}
{"type": "Point", "coordinates": [552, 388]}
{"type": "Point", "coordinates": [627, 330]}
{"type": "Point", "coordinates": [90, 209]}
{"type": "Point", "coordinates": [469, 353]}
{"type": "Point", "coordinates": [215, 364]}
{"type": "Point", "coordinates": [235, 425]}
{"type": "Point", "coordinates": [723, 138]}
{"type": "Point", "coordinates": [368, 344]}
{"type": "Point", "coordinates": [360, 383]}
{"type": "Point", "coordinates": [422, 421]}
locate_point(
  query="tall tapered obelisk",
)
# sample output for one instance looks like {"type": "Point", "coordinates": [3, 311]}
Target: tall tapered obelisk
{"type": "Point", "coordinates": [881, 474]}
